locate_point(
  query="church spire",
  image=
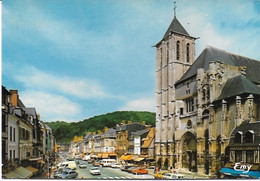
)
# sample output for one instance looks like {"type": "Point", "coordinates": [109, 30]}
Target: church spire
{"type": "Point", "coordinates": [174, 9]}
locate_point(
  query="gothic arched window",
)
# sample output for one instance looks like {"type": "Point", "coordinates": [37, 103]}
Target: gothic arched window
{"type": "Point", "coordinates": [178, 50]}
{"type": "Point", "coordinates": [188, 52]}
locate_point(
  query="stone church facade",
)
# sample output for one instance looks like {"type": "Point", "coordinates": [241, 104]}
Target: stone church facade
{"type": "Point", "coordinates": [199, 102]}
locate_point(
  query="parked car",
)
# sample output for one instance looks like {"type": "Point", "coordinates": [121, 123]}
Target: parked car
{"type": "Point", "coordinates": [125, 167]}
{"type": "Point", "coordinates": [140, 170]}
{"type": "Point", "coordinates": [82, 165]}
{"type": "Point", "coordinates": [90, 160]}
{"type": "Point", "coordinates": [95, 171]}
{"type": "Point", "coordinates": [129, 170]}
{"type": "Point", "coordinates": [173, 176]}
{"type": "Point", "coordinates": [77, 161]}
{"type": "Point", "coordinates": [68, 174]}
{"type": "Point", "coordinates": [116, 165]}
{"type": "Point", "coordinates": [159, 175]}
{"type": "Point", "coordinates": [96, 164]}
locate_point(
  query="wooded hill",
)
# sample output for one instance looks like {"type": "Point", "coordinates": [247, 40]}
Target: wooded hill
{"type": "Point", "coordinates": [65, 132]}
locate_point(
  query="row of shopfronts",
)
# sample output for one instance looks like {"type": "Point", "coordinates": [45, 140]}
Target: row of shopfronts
{"type": "Point", "coordinates": [27, 142]}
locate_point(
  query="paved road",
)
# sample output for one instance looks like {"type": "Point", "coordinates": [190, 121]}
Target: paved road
{"type": "Point", "coordinates": [109, 173]}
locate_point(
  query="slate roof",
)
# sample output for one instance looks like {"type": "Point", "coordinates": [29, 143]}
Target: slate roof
{"type": "Point", "coordinates": [238, 85]}
{"type": "Point", "coordinates": [32, 112]}
{"type": "Point", "coordinates": [110, 133]}
{"type": "Point", "coordinates": [88, 136]}
{"type": "Point", "coordinates": [255, 126]}
{"type": "Point", "coordinates": [131, 127]}
{"type": "Point", "coordinates": [175, 27]}
{"type": "Point", "coordinates": [141, 132]}
{"type": "Point", "coordinates": [211, 54]}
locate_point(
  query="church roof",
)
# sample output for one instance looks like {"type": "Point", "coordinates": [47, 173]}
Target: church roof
{"type": "Point", "coordinates": [176, 27]}
{"type": "Point", "coordinates": [238, 85]}
{"type": "Point", "coordinates": [211, 54]}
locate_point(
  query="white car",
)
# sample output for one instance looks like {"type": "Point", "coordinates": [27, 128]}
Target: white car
{"type": "Point", "coordinates": [95, 171]}
{"type": "Point", "coordinates": [173, 176]}
{"type": "Point", "coordinates": [82, 165]}
{"type": "Point", "coordinates": [115, 165]}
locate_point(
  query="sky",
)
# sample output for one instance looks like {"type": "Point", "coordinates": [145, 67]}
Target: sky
{"type": "Point", "coordinates": [75, 59]}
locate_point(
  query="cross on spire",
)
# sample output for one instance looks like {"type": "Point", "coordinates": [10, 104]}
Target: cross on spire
{"type": "Point", "coordinates": [174, 9]}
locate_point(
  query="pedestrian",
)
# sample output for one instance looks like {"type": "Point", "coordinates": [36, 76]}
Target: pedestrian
{"type": "Point", "coordinates": [171, 169]}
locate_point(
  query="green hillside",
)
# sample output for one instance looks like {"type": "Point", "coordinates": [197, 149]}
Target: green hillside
{"type": "Point", "coordinates": [64, 132]}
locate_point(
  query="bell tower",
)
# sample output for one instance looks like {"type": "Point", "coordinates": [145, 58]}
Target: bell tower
{"type": "Point", "coordinates": [175, 53]}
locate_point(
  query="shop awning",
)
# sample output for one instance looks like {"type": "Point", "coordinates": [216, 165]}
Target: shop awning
{"type": "Point", "coordinates": [18, 173]}
{"type": "Point", "coordinates": [129, 157]}
{"type": "Point", "coordinates": [138, 159]}
{"type": "Point", "coordinates": [112, 154]}
{"type": "Point", "coordinates": [122, 157]}
{"type": "Point", "coordinates": [99, 155]}
{"type": "Point", "coordinates": [105, 155]}
{"type": "Point", "coordinates": [35, 159]}
{"type": "Point", "coordinates": [32, 169]}
{"type": "Point", "coordinates": [235, 173]}
{"type": "Point", "coordinates": [11, 174]}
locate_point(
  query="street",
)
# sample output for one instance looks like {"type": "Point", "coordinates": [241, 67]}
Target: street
{"type": "Point", "coordinates": [108, 173]}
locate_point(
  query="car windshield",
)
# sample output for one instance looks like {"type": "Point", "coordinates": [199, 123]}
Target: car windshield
{"type": "Point", "coordinates": [94, 168]}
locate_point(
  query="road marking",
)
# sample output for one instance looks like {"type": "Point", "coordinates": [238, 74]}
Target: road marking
{"type": "Point", "coordinates": [104, 177]}
{"type": "Point", "coordinates": [129, 177]}
{"type": "Point", "coordinates": [110, 177]}
{"type": "Point", "coordinates": [123, 177]}
{"type": "Point", "coordinates": [117, 177]}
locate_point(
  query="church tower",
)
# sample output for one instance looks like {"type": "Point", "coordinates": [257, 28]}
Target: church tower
{"type": "Point", "coordinates": [175, 53]}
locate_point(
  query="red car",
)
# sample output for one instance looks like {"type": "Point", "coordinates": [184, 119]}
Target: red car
{"type": "Point", "coordinates": [140, 170]}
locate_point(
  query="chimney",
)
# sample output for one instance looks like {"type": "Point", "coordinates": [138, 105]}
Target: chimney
{"type": "Point", "coordinates": [38, 116]}
{"type": "Point", "coordinates": [14, 97]}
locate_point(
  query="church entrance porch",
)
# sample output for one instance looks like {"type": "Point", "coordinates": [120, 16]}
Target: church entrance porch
{"type": "Point", "coordinates": [189, 152]}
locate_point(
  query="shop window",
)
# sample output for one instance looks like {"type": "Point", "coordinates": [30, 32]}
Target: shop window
{"type": "Point", "coordinates": [249, 156]}
{"type": "Point", "coordinates": [238, 137]}
{"type": "Point", "coordinates": [238, 156]}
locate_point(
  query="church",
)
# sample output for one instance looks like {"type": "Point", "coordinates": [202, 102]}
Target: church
{"type": "Point", "coordinates": [199, 102]}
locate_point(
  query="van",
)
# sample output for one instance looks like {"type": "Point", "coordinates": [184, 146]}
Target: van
{"type": "Point", "coordinates": [108, 162]}
{"type": "Point", "coordinates": [69, 164]}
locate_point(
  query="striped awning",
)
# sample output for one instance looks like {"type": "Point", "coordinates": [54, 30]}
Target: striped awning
{"type": "Point", "coordinates": [18, 173]}
{"type": "Point", "coordinates": [23, 172]}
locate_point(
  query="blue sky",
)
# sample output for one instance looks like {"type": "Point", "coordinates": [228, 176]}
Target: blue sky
{"type": "Point", "coordinates": [74, 59]}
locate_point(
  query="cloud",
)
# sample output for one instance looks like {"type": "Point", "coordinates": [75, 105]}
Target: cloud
{"type": "Point", "coordinates": [51, 107]}
{"type": "Point", "coordinates": [82, 88]}
{"type": "Point", "coordinates": [142, 104]}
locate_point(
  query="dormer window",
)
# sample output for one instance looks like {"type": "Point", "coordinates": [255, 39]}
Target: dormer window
{"type": "Point", "coordinates": [178, 50]}
{"type": "Point", "coordinates": [188, 52]}
{"type": "Point", "coordinates": [238, 137]}
{"type": "Point", "coordinates": [249, 136]}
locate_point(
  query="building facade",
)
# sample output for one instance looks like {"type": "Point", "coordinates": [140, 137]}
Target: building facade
{"type": "Point", "coordinates": [199, 102]}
